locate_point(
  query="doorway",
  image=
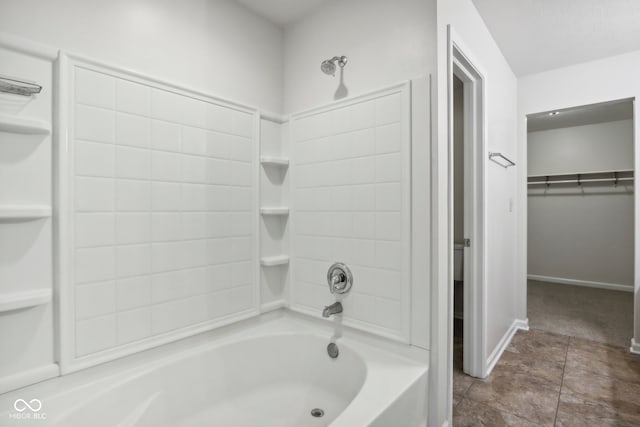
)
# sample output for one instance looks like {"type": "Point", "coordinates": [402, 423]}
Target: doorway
{"type": "Point", "coordinates": [466, 218]}
{"type": "Point", "coordinates": [580, 209]}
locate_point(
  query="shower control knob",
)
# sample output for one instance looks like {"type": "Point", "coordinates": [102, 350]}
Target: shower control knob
{"type": "Point", "coordinates": [339, 278]}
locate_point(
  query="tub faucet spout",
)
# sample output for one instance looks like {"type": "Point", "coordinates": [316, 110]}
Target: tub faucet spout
{"type": "Point", "coordinates": [334, 308]}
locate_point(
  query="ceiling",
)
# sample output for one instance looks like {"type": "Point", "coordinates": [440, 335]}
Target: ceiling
{"type": "Point", "coordinates": [282, 12]}
{"type": "Point", "coordinates": [540, 35]}
{"type": "Point", "coordinates": [583, 115]}
{"type": "Point", "coordinates": [533, 35]}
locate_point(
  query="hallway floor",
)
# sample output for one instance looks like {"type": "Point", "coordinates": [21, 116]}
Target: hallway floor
{"type": "Point", "coordinates": [547, 379]}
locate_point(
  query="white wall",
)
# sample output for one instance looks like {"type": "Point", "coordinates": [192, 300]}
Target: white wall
{"type": "Point", "coordinates": [381, 53]}
{"type": "Point", "coordinates": [592, 82]}
{"type": "Point", "coordinates": [215, 46]}
{"type": "Point", "coordinates": [162, 194]}
{"type": "Point", "coordinates": [474, 39]}
{"type": "Point", "coordinates": [581, 233]}
{"type": "Point", "coordinates": [386, 42]}
{"type": "Point", "coordinates": [458, 161]}
{"type": "Point", "coordinates": [590, 148]}
{"type": "Point", "coordinates": [351, 189]}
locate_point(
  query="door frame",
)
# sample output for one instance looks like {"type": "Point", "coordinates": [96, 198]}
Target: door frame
{"type": "Point", "coordinates": [474, 342]}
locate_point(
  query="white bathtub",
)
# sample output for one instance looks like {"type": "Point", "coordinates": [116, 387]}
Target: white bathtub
{"type": "Point", "coordinates": [262, 373]}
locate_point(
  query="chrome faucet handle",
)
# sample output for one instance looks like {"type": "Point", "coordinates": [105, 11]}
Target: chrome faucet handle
{"type": "Point", "coordinates": [339, 278]}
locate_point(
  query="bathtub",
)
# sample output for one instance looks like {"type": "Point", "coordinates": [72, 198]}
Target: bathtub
{"type": "Point", "coordinates": [273, 371]}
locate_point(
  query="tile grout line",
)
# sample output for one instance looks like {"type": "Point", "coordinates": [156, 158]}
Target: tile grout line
{"type": "Point", "coordinates": [564, 368]}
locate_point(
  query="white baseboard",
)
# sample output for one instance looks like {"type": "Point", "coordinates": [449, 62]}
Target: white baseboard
{"type": "Point", "coordinates": [518, 324]}
{"type": "Point", "coordinates": [635, 346]}
{"type": "Point", "coordinates": [29, 377]}
{"type": "Point", "coordinates": [576, 282]}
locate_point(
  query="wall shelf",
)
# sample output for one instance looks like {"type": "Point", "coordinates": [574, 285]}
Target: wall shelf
{"type": "Point", "coordinates": [274, 161]}
{"type": "Point", "coordinates": [282, 211]}
{"type": "Point", "coordinates": [624, 176]}
{"type": "Point", "coordinates": [24, 212]}
{"type": "Point", "coordinates": [271, 261]}
{"type": "Point", "coordinates": [23, 125]}
{"type": "Point", "coordinates": [26, 299]}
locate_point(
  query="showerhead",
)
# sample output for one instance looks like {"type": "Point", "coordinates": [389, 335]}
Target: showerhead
{"type": "Point", "coordinates": [328, 66]}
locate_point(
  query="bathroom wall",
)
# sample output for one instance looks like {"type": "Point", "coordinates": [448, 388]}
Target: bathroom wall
{"type": "Point", "coordinates": [616, 78]}
{"type": "Point", "coordinates": [164, 214]}
{"type": "Point", "coordinates": [386, 43]}
{"type": "Point", "coordinates": [461, 19]}
{"type": "Point", "coordinates": [351, 189]}
{"type": "Point", "coordinates": [215, 46]}
{"type": "Point", "coordinates": [381, 53]}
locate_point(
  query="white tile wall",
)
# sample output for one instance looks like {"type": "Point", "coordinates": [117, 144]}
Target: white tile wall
{"type": "Point", "coordinates": [350, 206]}
{"type": "Point", "coordinates": [163, 211]}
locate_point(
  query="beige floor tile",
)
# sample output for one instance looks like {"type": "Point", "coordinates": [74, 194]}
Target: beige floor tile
{"type": "Point", "coordinates": [574, 411]}
{"type": "Point", "coordinates": [473, 414]}
{"type": "Point", "coordinates": [509, 391]}
{"type": "Point", "coordinates": [620, 397]}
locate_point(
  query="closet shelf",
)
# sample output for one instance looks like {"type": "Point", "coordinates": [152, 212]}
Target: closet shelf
{"type": "Point", "coordinates": [282, 211]}
{"type": "Point", "coordinates": [26, 299]}
{"type": "Point", "coordinates": [580, 173]}
{"type": "Point", "coordinates": [14, 124]}
{"type": "Point", "coordinates": [24, 212]}
{"type": "Point", "coordinates": [270, 261]}
{"type": "Point", "coordinates": [274, 161]}
{"type": "Point", "coordinates": [613, 177]}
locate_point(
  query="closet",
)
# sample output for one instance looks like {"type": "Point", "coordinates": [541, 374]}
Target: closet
{"type": "Point", "coordinates": [580, 202]}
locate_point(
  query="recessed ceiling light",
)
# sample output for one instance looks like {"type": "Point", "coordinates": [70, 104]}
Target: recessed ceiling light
{"type": "Point", "coordinates": [554, 113]}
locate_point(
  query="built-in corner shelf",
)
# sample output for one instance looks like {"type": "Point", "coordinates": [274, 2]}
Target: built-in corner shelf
{"type": "Point", "coordinates": [26, 299]}
{"type": "Point", "coordinates": [23, 125]}
{"type": "Point", "coordinates": [281, 211]}
{"type": "Point", "coordinates": [271, 261]}
{"type": "Point", "coordinates": [24, 212]}
{"type": "Point", "coordinates": [274, 161]}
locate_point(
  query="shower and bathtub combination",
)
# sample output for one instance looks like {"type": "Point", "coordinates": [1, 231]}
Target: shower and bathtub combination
{"type": "Point", "coordinates": [180, 259]}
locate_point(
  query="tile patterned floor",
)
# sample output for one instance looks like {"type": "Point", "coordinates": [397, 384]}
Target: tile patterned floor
{"type": "Point", "coordinates": [545, 379]}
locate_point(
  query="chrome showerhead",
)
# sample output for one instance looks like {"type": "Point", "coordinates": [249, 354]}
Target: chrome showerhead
{"type": "Point", "coordinates": [328, 66]}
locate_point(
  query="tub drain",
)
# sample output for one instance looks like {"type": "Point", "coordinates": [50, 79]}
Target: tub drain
{"type": "Point", "coordinates": [317, 412]}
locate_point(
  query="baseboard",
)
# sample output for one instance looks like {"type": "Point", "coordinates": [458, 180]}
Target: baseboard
{"type": "Point", "coordinates": [635, 346]}
{"type": "Point", "coordinates": [518, 324]}
{"type": "Point", "coordinates": [29, 377]}
{"type": "Point", "coordinates": [576, 282]}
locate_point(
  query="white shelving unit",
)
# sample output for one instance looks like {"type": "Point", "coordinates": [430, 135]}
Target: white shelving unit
{"type": "Point", "coordinates": [272, 261]}
{"type": "Point", "coordinates": [26, 299]}
{"type": "Point", "coordinates": [24, 212]}
{"type": "Point", "coordinates": [275, 213]}
{"type": "Point", "coordinates": [26, 225]}
{"type": "Point", "coordinates": [279, 211]}
{"type": "Point", "coordinates": [274, 161]}
{"type": "Point", "coordinates": [21, 125]}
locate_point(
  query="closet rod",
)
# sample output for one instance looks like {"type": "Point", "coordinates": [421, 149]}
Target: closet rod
{"type": "Point", "coordinates": [580, 181]}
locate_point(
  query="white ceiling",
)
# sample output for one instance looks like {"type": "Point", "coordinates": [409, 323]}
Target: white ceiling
{"type": "Point", "coordinates": [583, 115]}
{"type": "Point", "coordinates": [540, 35]}
{"type": "Point", "coordinates": [282, 12]}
